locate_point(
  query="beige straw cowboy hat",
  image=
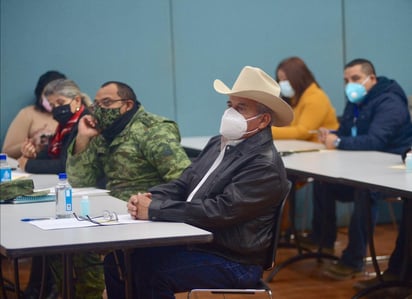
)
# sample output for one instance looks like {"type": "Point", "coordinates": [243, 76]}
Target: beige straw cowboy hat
{"type": "Point", "coordinates": [253, 83]}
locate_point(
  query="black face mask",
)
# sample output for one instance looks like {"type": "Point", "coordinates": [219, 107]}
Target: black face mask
{"type": "Point", "coordinates": [62, 114]}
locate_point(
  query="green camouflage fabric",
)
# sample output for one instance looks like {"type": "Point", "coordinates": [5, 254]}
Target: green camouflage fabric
{"type": "Point", "coordinates": [14, 188]}
{"type": "Point", "coordinates": [146, 153]}
{"type": "Point", "coordinates": [88, 274]}
{"type": "Point", "coordinates": [105, 117]}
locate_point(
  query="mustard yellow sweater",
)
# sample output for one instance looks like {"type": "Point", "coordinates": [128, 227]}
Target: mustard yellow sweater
{"type": "Point", "coordinates": [313, 111]}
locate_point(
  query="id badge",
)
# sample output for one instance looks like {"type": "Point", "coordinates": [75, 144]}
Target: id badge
{"type": "Point", "coordinates": [354, 131]}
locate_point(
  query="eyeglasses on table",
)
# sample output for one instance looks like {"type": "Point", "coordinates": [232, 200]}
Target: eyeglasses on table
{"type": "Point", "coordinates": [106, 218]}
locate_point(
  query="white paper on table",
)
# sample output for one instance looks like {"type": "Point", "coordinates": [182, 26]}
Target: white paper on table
{"type": "Point", "coordinates": [62, 223]}
{"type": "Point", "coordinates": [19, 175]}
{"type": "Point", "coordinates": [398, 166]}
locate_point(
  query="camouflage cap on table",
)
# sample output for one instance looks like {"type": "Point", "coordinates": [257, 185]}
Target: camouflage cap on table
{"type": "Point", "coordinates": [14, 188]}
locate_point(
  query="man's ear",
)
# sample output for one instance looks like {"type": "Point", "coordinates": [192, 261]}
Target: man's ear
{"type": "Point", "coordinates": [129, 104]}
{"type": "Point", "coordinates": [266, 120]}
{"type": "Point", "coordinates": [373, 78]}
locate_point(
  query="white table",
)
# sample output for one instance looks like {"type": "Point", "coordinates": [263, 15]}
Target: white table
{"type": "Point", "coordinates": [22, 239]}
{"type": "Point", "coordinates": [372, 169]}
{"type": "Point", "coordinates": [368, 169]}
{"type": "Point", "coordinates": [199, 142]}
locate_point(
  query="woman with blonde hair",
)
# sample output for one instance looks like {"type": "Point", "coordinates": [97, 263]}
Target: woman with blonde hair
{"type": "Point", "coordinates": [68, 105]}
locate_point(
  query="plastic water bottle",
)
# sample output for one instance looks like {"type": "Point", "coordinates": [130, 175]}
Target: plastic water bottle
{"type": "Point", "coordinates": [408, 162]}
{"type": "Point", "coordinates": [5, 169]}
{"type": "Point", "coordinates": [84, 206]}
{"type": "Point", "coordinates": [64, 199]}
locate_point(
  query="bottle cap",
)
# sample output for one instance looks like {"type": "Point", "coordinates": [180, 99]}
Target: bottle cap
{"type": "Point", "coordinates": [3, 156]}
{"type": "Point", "coordinates": [62, 176]}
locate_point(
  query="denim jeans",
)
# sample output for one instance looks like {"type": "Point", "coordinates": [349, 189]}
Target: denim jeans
{"type": "Point", "coordinates": [324, 219]}
{"type": "Point", "coordinates": [162, 272]}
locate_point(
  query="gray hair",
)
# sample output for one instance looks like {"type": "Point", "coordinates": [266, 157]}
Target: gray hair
{"type": "Point", "coordinates": [264, 109]}
{"type": "Point", "coordinates": [66, 88]}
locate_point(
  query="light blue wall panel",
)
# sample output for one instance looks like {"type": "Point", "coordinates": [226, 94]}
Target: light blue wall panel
{"type": "Point", "coordinates": [170, 51]}
{"type": "Point", "coordinates": [381, 31]}
{"type": "Point", "coordinates": [215, 39]}
{"type": "Point", "coordinates": [90, 41]}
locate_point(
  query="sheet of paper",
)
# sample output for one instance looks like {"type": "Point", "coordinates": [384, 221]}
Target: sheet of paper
{"type": "Point", "coordinates": [19, 175]}
{"type": "Point", "coordinates": [48, 224]}
{"type": "Point", "coordinates": [399, 166]}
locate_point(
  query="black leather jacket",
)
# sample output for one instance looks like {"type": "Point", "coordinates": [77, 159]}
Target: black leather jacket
{"type": "Point", "coordinates": [237, 201]}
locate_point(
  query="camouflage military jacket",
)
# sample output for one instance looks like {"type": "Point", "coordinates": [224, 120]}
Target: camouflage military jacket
{"type": "Point", "coordinates": [146, 153]}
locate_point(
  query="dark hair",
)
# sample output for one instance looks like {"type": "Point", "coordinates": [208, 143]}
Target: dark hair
{"type": "Point", "coordinates": [124, 91]}
{"type": "Point", "coordinates": [298, 74]}
{"type": "Point", "coordinates": [45, 79]}
{"type": "Point", "coordinates": [366, 65]}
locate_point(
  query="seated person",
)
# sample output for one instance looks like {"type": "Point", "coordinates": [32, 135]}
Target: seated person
{"type": "Point", "coordinates": [375, 118]}
{"type": "Point", "coordinates": [123, 145]}
{"type": "Point", "coordinates": [232, 189]}
{"type": "Point", "coordinates": [125, 149]}
{"type": "Point", "coordinates": [67, 103]}
{"type": "Point", "coordinates": [34, 122]}
{"type": "Point", "coordinates": [311, 105]}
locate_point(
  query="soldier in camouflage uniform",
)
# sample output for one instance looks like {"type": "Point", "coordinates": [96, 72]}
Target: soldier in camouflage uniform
{"type": "Point", "coordinates": [130, 150]}
{"type": "Point", "coordinates": [124, 145]}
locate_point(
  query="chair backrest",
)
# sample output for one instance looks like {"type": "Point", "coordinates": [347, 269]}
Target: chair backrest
{"type": "Point", "coordinates": [271, 253]}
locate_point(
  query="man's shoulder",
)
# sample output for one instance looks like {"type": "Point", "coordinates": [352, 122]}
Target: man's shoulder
{"type": "Point", "coordinates": [144, 120]}
{"type": "Point", "coordinates": [388, 87]}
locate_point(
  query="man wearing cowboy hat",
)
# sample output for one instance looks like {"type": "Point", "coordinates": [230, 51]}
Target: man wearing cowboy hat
{"type": "Point", "coordinates": [232, 189]}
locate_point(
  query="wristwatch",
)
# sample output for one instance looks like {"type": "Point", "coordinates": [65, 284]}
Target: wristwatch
{"type": "Point", "coordinates": [337, 142]}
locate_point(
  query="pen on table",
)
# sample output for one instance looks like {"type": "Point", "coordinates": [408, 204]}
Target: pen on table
{"type": "Point", "coordinates": [34, 219]}
{"type": "Point", "coordinates": [290, 152]}
{"type": "Point", "coordinates": [317, 131]}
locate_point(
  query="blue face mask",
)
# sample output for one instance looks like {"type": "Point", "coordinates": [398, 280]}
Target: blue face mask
{"type": "Point", "coordinates": [356, 92]}
{"type": "Point", "coordinates": [286, 89]}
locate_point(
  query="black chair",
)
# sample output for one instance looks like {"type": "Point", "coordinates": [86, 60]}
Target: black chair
{"type": "Point", "coordinates": [262, 286]}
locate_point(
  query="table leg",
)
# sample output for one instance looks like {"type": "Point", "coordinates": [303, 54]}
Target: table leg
{"type": "Point", "coordinates": [16, 278]}
{"type": "Point", "coordinates": [319, 255]}
{"type": "Point", "coordinates": [2, 284]}
{"type": "Point", "coordinates": [372, 243]}
{"type": "Point", "coordinates": [68, 290]}
{"type": "Point", "coordinates": [128, 275]}
{"type": "Point", "coordinates": [44, 269]}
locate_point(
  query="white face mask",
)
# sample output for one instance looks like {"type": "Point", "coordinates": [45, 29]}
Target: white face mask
{"type": "Point", "coordinates": [233, 125]}
{"type": "Point", "coordinates": [286, 89]}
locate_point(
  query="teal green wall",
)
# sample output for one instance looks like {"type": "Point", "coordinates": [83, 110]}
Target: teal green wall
{"type": "Point", "coordinates": [170, 51]}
